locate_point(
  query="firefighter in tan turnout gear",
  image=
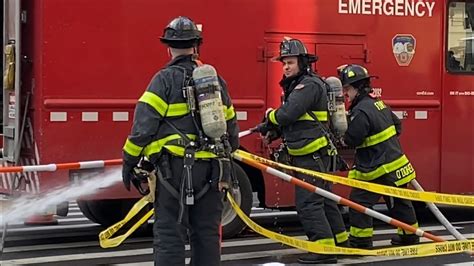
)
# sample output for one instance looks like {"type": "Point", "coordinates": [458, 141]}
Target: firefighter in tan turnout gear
{"type": "Point", "coordinates": [302, 120]}
{"type": "Point", "coordinates": [185, 125]}
{"type": "Point", "coordinates": [373, 130]}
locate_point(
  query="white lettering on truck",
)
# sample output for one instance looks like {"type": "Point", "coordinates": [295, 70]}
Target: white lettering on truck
{"type": "Point", "coordinates": [401, 8]}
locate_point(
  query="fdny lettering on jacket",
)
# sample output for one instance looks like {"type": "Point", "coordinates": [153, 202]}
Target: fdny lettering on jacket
{"type": "Point", "coordinates": [405, 171]}
{"type": "Point", "coordinates": [380, 105]}
{"type": "Point", "coordinates": [402, 8]}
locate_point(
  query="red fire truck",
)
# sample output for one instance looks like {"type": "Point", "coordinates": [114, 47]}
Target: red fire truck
{"type": "Point", "coordinates": [73, 71]}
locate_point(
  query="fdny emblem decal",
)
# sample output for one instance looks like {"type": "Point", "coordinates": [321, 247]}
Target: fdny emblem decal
{"type": "Point", "coordinates": [403, 46]}
{"type": "Point", "coordinates": [299, 86]}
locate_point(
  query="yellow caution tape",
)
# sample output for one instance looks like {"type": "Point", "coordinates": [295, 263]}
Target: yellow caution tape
{"type": "Point", "coordinates": [105, 239]}
{"type": "Point", "coordinates": [432, 249]}
{"type": "Point", "coordinates": [448, 199]}
{"type": "Point", "coordinates": [443, 248]}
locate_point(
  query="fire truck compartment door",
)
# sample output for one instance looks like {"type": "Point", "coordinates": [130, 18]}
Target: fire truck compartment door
{"type": "Point", "coordinates": [333, 55]}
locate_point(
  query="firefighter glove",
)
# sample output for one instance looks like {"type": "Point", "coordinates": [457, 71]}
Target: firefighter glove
{"type": "Point", "coordinates": [127, 173]}
{"type": "Point", "coordinates": [272, 135]}
{"type": "Point", "coordinates": [139, 176]}
{"type": "Point", "coordinates": [264, 127]}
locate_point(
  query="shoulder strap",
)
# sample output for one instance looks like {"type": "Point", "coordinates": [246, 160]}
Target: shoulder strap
{"type": "Point", "coordinates": [325, 131]}
{"type": "Point", "coordinates": [186, 82]}
{"type": "Point", "coordinates": [187, 78]}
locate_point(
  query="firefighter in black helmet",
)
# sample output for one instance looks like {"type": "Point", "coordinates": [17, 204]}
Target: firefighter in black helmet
{"type": "Point", "coordinates": [182, 33]}
{"type": "Point", "coordinates": [162, 132]}
{"type": "Point", "coordinates": [373, 130]}
{"type": "Point", "coordinates": [302, 120]}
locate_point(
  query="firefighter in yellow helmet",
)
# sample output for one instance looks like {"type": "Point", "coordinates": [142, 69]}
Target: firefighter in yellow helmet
{"type": "Point", "coordinates": [373, 130]}
{"type": "Point", "coordinates": [191, 166]}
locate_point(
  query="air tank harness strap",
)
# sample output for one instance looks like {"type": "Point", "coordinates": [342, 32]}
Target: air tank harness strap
{"type": "Point", "coordinates": [186, 193]}
{"type": "Point", "coordinates": [332, 151]}
{"type": "Point", "coordinates": [188, 162]}
{"type": "Point", "coordinates": [164, 173]}
{"type": "Point", "coordinates": [222, 170]}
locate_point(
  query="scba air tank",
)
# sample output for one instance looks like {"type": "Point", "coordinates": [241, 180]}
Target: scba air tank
{"type": "Point", "coordinates": [336, 107]}
{"type": "Point", "coordinates": [208, 94]}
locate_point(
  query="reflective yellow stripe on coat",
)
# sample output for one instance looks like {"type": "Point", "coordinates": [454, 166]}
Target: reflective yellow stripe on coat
{"type": "Point", "coordinates": [400, 231]}
{"type": "Point", "coordinates": [310, 148]}
{"type": "Point", "coordinates": [163, 108]}
{"type": "Point", "coordinates": [379, 137]}
{"type": "Point", "coordinates": [322, 116]}
{"type": "Point", "coordinates": [342, 237]}
{"type": "Point", "coordinates": [361, 232]}
{"type": "Point", "coordinates": [385, 169]}
{"type": "Point", "coordinates": [157, 145]}
{"type": "Point", "coordinates": [132, 149]}
{"type": "Point", "coordinates": [272, 117]}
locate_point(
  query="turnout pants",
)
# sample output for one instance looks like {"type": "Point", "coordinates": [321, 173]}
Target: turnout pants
{"type": "Point", "coordinates": [320, 217]}
{"type": "Point", "coordinates": [400, 209]}
{"type": "Point", "coordinates": [201, 221]}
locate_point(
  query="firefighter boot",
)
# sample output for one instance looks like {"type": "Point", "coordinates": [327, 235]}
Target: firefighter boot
{"type": "Point", "coordinates": [344, 244]}
{"type": "Point", "coordinates": [360, 242]}
{"type": "Point", "coordinates": [313, 258]}
{"type": "Point", "coordinates": [405, 240]}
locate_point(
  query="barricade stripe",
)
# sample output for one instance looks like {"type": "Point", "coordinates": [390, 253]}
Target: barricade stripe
{"type": "Point", "coordinates": [378, 215]}
{"type": "Point", "coordinates": [59, 166]}
{"type": "Point", "coordinates": [40, 168]}
{"type": "Point", "coordinates": [91, 164]}
{"type": "Point", "coordinates": [64, 166]}
{"type": "Point", "coordinates": [113, 162]}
